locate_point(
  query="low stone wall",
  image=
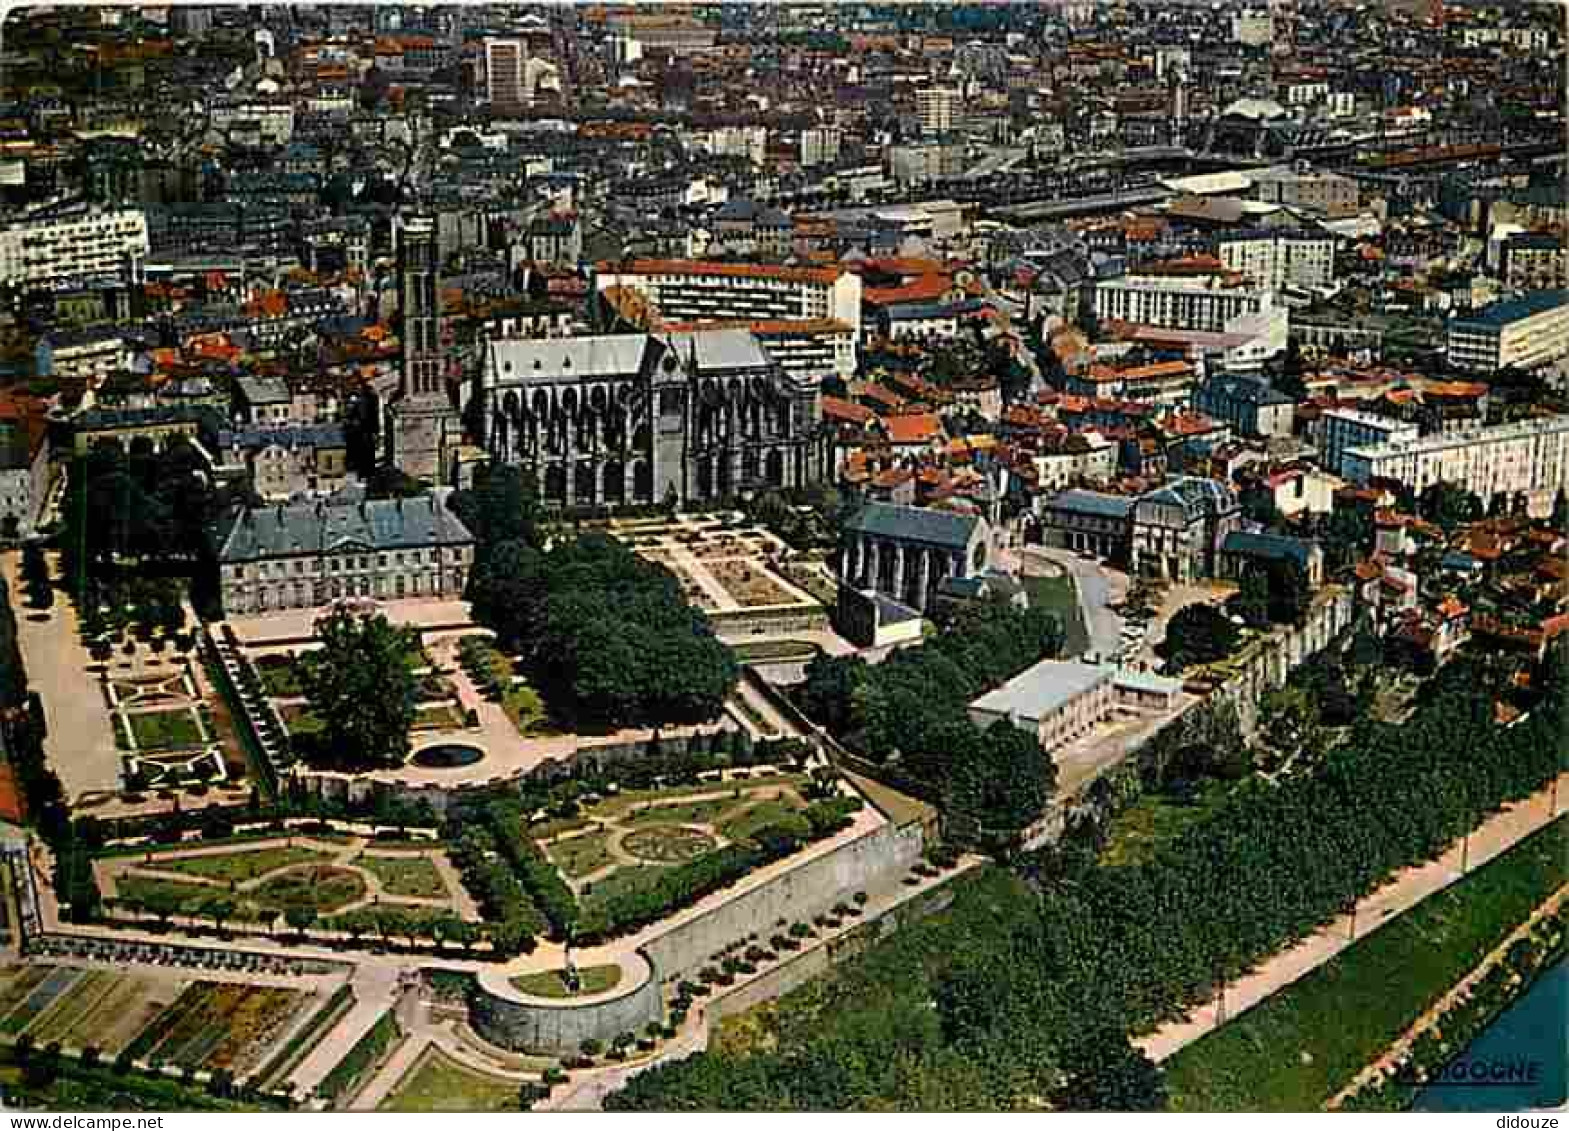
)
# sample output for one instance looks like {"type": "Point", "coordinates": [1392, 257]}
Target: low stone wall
{"type": "Point", "coordinates": [504, 1016]}
{"type": "Point", "coordinates": [734, 625]}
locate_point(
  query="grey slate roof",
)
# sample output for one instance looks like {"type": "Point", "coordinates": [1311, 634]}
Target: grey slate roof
{"type": "Point", "coordinates": [609, 356]}
{"type": "Point", "coordinates": [1262, 544]}
{"type": "Point", "coordinates": [1096, 503]}
{"type": "Point", "coordinates": [1037, 691]}
{"type": "Point", "coordinates": [264, 389]}
{"type": "Point", "coordinates": [914, 524]}
{"type": "Point", "coordinates": [294, 436]}
{"type": "Point", "coordinates": [1195, 496]}
{"type": "Point", "coordinates": [318, 528]}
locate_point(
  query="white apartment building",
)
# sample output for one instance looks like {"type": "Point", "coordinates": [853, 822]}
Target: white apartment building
{"type": "Point", "coordinates": [1526, 332]}
{"type": "Point", "coordinates": [820, 146]}
{"type": "Point", "coordinates": [1178, 303]}
{"type": "Point", "coordinates": [43, 251]}
{"type": "Point", "coordinates": [1279, 258]}
{"type": "Point", "coordinates": [1529, 457]}
{"type": "Point", "coordinates": [271, 122]}
{"type": "Point", "coordinates": [505, 60]}
{"type": "Point", "coordinates": [938, 109]}
{"type": "Point", "coordinates": [750, 142]}
{"type": "Point", "coordinates": [689, 290]}
{"type": "Point", "coordinates": [1341, 429]}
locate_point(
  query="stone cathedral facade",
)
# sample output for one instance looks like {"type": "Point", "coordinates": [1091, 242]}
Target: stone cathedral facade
{"type": "Point", "coordinates": [641, 418]}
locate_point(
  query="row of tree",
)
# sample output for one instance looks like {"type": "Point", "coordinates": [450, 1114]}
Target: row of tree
{"type": "Point", "coordinates": [514, 922]}
{"type": "Point", "coordinates": [1010, 999]}
{"type": "Point", "coordinates": [909, 714]}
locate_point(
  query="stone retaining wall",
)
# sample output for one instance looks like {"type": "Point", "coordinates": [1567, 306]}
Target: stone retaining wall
{"type": "Point", "coordinates": [877, 859]}
{"type": "Point", "coordinates": [514, 1021]}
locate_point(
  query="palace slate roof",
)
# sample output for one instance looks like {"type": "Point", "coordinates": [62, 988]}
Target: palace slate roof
{"type": "Point", "coordinates": [318, 528]}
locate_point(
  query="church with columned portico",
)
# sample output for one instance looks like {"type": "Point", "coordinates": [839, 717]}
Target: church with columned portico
{"type": "Point", "coordinates": [906, 553]}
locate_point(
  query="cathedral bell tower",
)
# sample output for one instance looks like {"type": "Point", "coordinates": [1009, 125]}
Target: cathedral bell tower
{"type": "Point", "coordinates": [423, 423]}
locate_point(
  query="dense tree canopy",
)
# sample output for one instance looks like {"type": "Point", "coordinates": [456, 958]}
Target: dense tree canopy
{"type": "Point", "coordinates": [1010, 999]}
{"type": "Point", "coordinates": [608, 634]}
{"type": "Point", "coordinates": [909, 713]}
{"type": "Point", "coordinates": [361, 686]}
{"type": "Point", "coordinates": [1198, 634]}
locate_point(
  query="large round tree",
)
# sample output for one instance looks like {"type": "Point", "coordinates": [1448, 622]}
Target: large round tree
{"type": "Point", "coordinates": [361, 686]}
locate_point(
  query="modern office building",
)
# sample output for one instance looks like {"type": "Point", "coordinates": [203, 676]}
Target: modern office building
{"type": "Point", "coordinates": [1280, 257]}
{"type": "Point", "coordinates": [1208, 303]}
{"type": "Point", "coordinates": [1525, 333]}
{"type": "Point", "coordinates": [1060, 701]}
{"type": "Point", "coordinates": [1341, 429]}
{"type": "Point", "coordinates": [505, 63]}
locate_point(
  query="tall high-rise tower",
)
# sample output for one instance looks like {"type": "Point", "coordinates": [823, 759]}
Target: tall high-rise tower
{"type": "Point", "coordinates": [423, 421]}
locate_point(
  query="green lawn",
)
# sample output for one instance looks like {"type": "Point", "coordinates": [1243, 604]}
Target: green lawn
{"type": "Point", "coordinates": [578, 856]}
{"type": "Point", "coordinates": [326, 890]}
{"type": "Point", "coordinates": [758, 816]}
{"type": "Point", "coordinates": [549, 983]}
{"type": "Point", "coordinates": [1057, 595]}
{"type": "Point", "coordinates": [406, 875]}
{"type": "Point", "coordinates": [1155, 820]}
{"type": "Point", "coordinates": [240, 866]}
{"type": "Point", "coordinates": [685, 813]}
{"type": "Point", "coordinates": [439, 1083]}
{"type": "Point", "coordinates": [1296, 1050]}
{"type": "Point", "coordinates": [188, 899]}
{"type": "Point", "coordinates": [628, 877]}
{"type": "Point", "coordinates": [155, 730]}
{"type": "Point", "coordinates": [440, 716]}
{"type": "Point", "coordinates": [280, 676]}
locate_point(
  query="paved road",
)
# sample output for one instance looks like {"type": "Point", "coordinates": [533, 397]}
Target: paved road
{"type": "Point", "coordinates": [1097, 588]}
{"type": "Point", "coordinates": [1495, 836]}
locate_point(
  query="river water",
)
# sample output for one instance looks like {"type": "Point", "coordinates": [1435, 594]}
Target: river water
{"type": "Point", "coordinates": [1528, 1045]}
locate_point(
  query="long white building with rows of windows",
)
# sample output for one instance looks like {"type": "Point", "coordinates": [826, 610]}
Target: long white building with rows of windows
{"type": "Point", "coordinates": [1529, 457]}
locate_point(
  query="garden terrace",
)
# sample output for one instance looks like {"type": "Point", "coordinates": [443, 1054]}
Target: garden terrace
{"type": "Point", "coordinates": [348, 884]}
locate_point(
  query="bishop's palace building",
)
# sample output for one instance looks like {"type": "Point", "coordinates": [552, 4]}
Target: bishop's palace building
{"type": "Point", "coordinates": [607, 420]}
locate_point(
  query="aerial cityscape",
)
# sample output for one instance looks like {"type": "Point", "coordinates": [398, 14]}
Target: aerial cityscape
{"type": "Point", "coordinates": [784, 557]}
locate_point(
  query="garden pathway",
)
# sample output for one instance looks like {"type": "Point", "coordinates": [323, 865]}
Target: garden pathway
{"type": "Point", "coordinates": [80, 741]}
{"type": "Point", "coordinates": [1496, 835]}
{"type": "Point", "coordinates": [376, 987]}
{"type": "Point", "coordinates": [335, 855]}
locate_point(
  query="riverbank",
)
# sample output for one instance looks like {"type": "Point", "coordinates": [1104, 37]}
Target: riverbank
{"type": "Point", "coordinates": [1436, 1059]}
{"type": "Point", "coordinates": [1302, 1046]}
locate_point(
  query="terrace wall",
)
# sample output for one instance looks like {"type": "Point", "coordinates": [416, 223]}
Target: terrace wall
{"type": "Point", "coordinates": [876, 860]}
{"type": "Point", "coordinates": [506, 1017]}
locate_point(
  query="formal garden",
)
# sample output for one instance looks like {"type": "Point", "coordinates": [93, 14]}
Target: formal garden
{"type": "Point", "coordinates": [321, 882]}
